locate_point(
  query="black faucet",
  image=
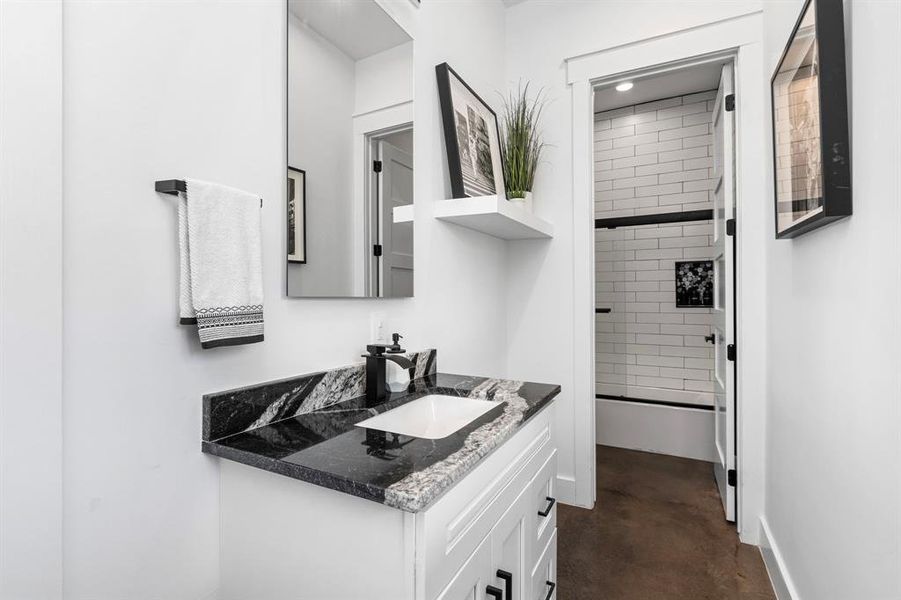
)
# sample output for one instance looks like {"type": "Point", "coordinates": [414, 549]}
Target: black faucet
{"type": "Point", "coordinates": [378, 354]}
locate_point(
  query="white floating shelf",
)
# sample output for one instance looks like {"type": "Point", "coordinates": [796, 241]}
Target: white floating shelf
{"type": "Point", "coordinates": [403, 214]}
{"type": "Point", "coordinates": [495, 216]}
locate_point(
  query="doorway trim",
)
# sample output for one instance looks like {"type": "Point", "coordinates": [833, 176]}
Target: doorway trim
{"type": "Point", "coordinates": [740, 38]}
{"type": "Point", "coordinates": [378, 122]}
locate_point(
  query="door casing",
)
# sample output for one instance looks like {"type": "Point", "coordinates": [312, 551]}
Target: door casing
{"type": "Point", "coordinates": [739, 39]}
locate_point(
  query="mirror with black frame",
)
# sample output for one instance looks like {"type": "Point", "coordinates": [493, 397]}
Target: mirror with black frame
{"type": "Point", "coordinates": [349, 209]}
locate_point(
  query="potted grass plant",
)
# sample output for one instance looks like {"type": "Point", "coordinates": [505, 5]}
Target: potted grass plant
{"type": "Point", "coordinates": [522, 144]}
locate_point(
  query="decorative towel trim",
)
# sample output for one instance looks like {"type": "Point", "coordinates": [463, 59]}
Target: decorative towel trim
{"type": "Point", "coordinates": [230, 325]}
{"type": "Point", "coordinates": [252, 339]}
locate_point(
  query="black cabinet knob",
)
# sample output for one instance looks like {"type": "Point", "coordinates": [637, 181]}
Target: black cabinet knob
{"type": "Point", "coordinates": [494, 592]}
{"type": "Point", "coordinates": [710, 339]}
{"type": "Point", "coordinates": [551, 586]}
{"type": "Point", "coordinates": [507, 576]}
{"type": "Point", "coordinates": [550, 504]}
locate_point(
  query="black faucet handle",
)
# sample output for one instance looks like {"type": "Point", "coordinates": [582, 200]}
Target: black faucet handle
{"type": "Point", "coordinates": [376, 349]}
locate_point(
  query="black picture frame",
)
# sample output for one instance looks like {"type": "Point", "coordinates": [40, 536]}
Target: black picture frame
{"type": "Point", "coordinates": [694, 283]}
{"type": "Point", "coordinates": [296, 210]}
{"type": "Point", "coordinates": [463, 184]}
{"type": "Point", "coordinates": [819, 170]}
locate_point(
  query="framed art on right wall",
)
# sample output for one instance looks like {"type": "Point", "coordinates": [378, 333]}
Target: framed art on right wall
{"type": "Point", "coordinates": [811, 149]}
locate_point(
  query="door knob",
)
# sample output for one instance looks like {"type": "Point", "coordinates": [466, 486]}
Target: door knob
{"type": "Point", "coordinates": [710, 339]}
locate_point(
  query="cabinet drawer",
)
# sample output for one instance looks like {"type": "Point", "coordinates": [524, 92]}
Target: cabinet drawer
{"type": "Point", "coordinates": [543, 511]}
{"type": "Point", "coordinates": [544, 576]}
{"type": "Point", "coordinates": [450, 530]}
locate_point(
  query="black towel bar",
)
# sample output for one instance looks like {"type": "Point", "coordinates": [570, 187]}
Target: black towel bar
{"type": "Point", "coordinates": [174, 186]}
{"type": "Point", "coordinates": [171, 186]}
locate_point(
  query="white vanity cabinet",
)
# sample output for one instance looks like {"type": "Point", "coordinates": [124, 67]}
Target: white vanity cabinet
{"type": "Point", "coordinates": [488, 531]}
{"type": "Point", "coordinates": [284, 539]}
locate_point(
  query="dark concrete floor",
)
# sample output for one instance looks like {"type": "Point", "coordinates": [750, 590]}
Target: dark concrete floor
{"type": "Point", "coordinates": [657, 532]}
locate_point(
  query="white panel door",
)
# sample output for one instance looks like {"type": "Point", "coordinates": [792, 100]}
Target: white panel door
{"type": "Point", "coordinates": [724, 284]}
{"type": "Point", "coordinates": [473, 579]}
{"type": "Point", "coordinates": [544, 576]}
{"type": "Point", "coordinates": [510, 548]}
{"type": "Point", "coordinates": [396, 272]}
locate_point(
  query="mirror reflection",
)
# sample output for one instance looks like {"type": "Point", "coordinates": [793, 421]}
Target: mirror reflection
{"type": "Point", "coordinates": [349, 218]}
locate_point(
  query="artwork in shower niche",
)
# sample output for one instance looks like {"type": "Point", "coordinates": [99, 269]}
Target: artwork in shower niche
{"type": "Point", "coordinates": [694, 284]}
{"type": "Point", "coordinates": [812, 162]}
{"type": "Point", "coordinates": [471, 136]}
{"type": "Point", "coordinates": [297, 215]}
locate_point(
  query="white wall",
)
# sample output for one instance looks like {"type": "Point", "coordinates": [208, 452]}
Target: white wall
{"type": "Point", "coordinates": [31, 494]}
{"type": "Point", "coordinates": [540, 281]}
{"type": "Point", "coordinates": [161, 90]}
{"type": "Point", "coordinates": [833, 448]}
{"type": "Point", "coordinates": [384, 79]}
{"type": "Point", "coordinates": [321, 91]}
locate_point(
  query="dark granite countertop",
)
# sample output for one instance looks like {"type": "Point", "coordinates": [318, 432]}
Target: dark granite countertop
{"type": "Point", "coordinates": [324, 447]}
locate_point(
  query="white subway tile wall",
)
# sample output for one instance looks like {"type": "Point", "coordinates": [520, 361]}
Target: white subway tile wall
{"type": "Point", "coordinates": [652, 158]}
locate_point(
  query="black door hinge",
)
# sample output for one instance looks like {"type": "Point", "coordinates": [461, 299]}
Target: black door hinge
{"type": "Point", "coordinates": [731, 477]}
{"type": "Point", "coordinates": [377, 250]}
{"type": "Point", "coordinates": [730, 352]}
{"type": "Point", "coordinates": [377, 166]}
{"type": "Point", "coordinates": [730, 227]}
{"type": "Point", "coordinates": [730, 102]}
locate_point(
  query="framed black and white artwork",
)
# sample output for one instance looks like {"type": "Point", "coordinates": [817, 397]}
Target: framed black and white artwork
{"type": "Point", "coordinates": [812, 160]}
{"type": "Point", "coordinates": [297, 215]}
{"type": "Point", "coordinates": [694, 284]}
{"type": "Point", "coordinates": [471, 136]}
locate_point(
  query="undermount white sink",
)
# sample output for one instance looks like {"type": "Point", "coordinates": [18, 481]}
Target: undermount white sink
{"type": "Point", "coordinates": [432, 417]}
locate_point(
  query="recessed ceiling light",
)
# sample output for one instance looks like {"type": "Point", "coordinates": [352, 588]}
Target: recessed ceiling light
{"type": "Point", "coordinates": [624, 86]}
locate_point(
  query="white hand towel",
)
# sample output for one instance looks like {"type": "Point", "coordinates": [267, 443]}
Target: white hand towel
{"type": "Point", "coordinates": [221, 279]}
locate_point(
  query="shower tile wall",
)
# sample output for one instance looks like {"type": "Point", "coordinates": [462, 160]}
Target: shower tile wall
{"type": "Point", "coordinates": [652, 158]}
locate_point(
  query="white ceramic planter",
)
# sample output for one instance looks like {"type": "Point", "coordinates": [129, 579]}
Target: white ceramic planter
{"type": "Point", "coordinates": [523, 203]}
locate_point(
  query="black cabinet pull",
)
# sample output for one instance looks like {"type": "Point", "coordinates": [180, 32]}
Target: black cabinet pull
{"type": "Point", "coordinates": [710, 339]}
{"type": "Point", "coordinates": [494, 592]}
{"type": "Point", "coordinates": [550, 504]}
{"type": "Point", "coordinates": [507, 576]}
{"type": "Point", "coordinates": [551, 587]}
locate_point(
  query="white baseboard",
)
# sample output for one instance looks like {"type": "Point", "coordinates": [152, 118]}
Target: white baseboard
{"type": "Point", "coordinates": [775, 566]}
{"type": "Point", "coordinates": [673, 430]}
{"type": "Point", "coordinates": [566, 490]}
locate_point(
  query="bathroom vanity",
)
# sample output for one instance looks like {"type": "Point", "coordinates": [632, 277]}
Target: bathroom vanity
{"type": "Point", "coordinates": [315, 506]}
